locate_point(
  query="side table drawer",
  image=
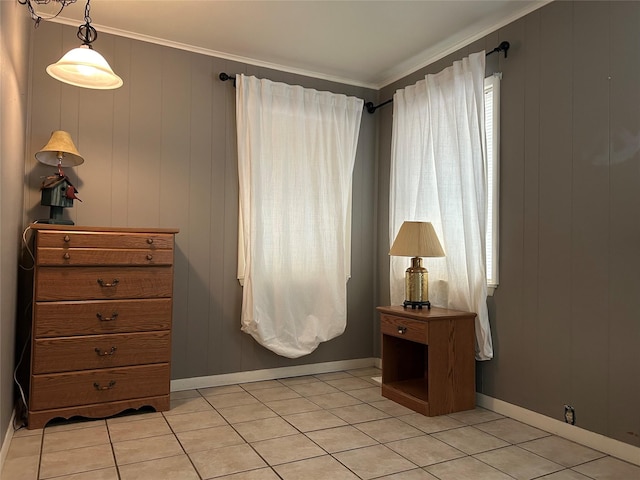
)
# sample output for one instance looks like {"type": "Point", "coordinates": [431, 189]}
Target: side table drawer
{"type": "Point", "coordinates": [413, 330]}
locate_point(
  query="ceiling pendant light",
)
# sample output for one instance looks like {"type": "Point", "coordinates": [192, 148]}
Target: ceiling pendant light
{"type": "Point", "coordinates": [83, 66]}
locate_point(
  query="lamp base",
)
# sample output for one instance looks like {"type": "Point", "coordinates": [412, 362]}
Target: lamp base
{"type": "Point", "coordinates": [414, 305]}
{"type": "Point", "coordinates": [56, 221]}
{"type": "Point", "coordinates": [55, 217]}
{"type": "Point", "coordinates": [416, 286]}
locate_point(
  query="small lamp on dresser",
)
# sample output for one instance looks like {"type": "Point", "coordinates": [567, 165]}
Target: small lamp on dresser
{"type": "Point", "coordinates": [57, 190]}
{"type": "Point", "coordinates": [416, 240]}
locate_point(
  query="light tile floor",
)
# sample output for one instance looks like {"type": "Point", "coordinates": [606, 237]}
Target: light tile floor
{"type": "Point", "coordinates": [332, 426]}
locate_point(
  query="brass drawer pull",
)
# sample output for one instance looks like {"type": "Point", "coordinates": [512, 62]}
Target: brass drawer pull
{"type": "Point", "coordinates": [402, 330]}
{"type": "Point", "coordinates": [97, 386]}
{"type": "Point", "coordinates": [67, 238]}
{"type": "Point", "coordinates": [66, 256]}
{"type": "Point", "coordinates": [112, 284]}
{"type": "Point", "coordinates": [149, 241]}
{"type": "Point", "coordinates": [149, 257]}
{"type": "Point", "coordinates": [113, 316]}
{"type": "Point", "coordinates": [104, 353]}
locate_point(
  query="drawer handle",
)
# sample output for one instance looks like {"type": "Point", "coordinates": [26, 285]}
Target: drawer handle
{"type": "Point", "coordinates": [104, 353]}
{"type": "Point", "coordinates": [149, 241]}
{"type": "Point", "coordinates": [402, 330]}
{"type": "Point", "coordinates": [66, 256]}
{"type": "Point", "coordinates": [113, 316]}
{"type": "Point", "coordinates": [112, 284]}
{"type": "Point", "coordinates": [97, 386]}
{"type": "Point", "coordinates": [149, 256]}
{"type": "Point", "coordinates": [67, 238]}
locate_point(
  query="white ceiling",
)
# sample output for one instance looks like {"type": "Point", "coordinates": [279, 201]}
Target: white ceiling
{"type": "Point", "coordinates": [366, 43]}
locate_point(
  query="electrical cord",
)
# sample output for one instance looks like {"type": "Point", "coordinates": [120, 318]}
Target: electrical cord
{"type": "Point", "coordinates": [15, 375]}
{"type": "Point", "coordinates": [15, 371]}
{"type": "Point", "coordinates": [25, 315]}
{"type": "Point", "coordinates": [37, 18]}
{"type": "Point", "coordinates": [28, 249]}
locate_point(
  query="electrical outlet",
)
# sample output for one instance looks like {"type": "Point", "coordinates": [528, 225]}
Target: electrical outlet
{"type": "Point", "coordinates": [569, 415]}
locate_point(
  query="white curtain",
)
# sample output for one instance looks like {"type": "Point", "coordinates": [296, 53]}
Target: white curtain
{"type": "Point", "coordinates": [438, 175]}
{"type": "Point", "coordinates": [296, 152]}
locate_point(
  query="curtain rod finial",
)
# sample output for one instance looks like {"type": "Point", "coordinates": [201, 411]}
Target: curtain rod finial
{"type": "Point", "coordinates": [224, 77]}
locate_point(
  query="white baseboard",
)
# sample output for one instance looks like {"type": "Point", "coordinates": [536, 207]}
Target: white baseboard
{"type": "Point", "coordinates": [270, 374]}
{"type": "Point", "coordinates": [607, 445]}
{"type": "Point", "coordinates": [6, 443]}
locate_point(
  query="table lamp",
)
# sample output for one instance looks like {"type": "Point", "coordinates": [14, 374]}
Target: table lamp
{"type": "Point", "coordinates": [416, 240]}
{"type": "Point", "coordinates": [57, 190]}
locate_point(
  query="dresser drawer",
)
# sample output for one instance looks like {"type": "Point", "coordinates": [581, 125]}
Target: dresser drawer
{"type": "Point", "coordinates": [103, 256]}
{"type": "Point", "coordinates": [93, 317]}
{"type": "Point", "coordinates": [96, 283]}
{"type": "Point", "coordinates": [65, 354]}
{"type": "Point", "coordinates": [97, 386]}
{"type": "Point", "coordinates": [401, 327]}
{"type": "Point", "coordinates": [67, 239]}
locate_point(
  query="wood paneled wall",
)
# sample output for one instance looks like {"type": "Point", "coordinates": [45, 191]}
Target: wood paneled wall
{"type": "Point", "coordinates": [14, 67]}
{"type": "Point", "coordinates": [161, 152]}
{"type": "Point", "coordinates": [566, 316]}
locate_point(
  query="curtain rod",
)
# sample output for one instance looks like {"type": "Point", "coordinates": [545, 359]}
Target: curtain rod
{"type": "Point", "coordinates": [503, 47]}
{"type": "Point", "coordinates": [371, 108]}
{"type": "Point", "coordinates": [224, 77]}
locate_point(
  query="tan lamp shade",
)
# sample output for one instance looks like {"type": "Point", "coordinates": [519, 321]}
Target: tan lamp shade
{"type": "Point", "coordinates": [416, 239]}
{"type": "Point", "coordinates": [60, 150]}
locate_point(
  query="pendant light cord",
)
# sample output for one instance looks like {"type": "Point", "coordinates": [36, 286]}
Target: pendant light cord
{"type": "Point", "coordinates": [86, 32]}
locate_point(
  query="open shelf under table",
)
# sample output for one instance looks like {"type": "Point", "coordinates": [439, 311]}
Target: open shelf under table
{"type": "Point", "coordinates": [412, 393]}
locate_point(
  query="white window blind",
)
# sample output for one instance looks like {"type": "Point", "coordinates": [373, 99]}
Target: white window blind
{"type": "Point", "coordinates": [492, 134]}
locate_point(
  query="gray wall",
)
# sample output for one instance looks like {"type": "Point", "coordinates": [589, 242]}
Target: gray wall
{"type": "Point", "coordinates": [161, 152]}
{"type": "Point", "coordinates": [566, 316]}
{"type": "Point", "coordinates": [14, 61]}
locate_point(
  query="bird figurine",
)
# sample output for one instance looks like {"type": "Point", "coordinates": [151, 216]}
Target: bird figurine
{"type": "Point", "coordinates": [71, 193]}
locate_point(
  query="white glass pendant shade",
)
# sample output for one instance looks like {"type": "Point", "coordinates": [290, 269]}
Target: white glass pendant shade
{"type": "Point", "coordinates": [84, 67]}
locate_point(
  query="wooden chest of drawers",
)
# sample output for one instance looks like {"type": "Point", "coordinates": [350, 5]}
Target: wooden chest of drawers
{"type": "Point", "coordinates": [101, 326]}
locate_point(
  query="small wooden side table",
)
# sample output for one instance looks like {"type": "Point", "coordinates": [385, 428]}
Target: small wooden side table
{"type": "Point", "coordinates": [428, 359]}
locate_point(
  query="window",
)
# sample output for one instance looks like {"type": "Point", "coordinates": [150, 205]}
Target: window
{"type": "Point", "coordinates": [439, 154]}
{"type": "Point", "coordinates": [492, 133]}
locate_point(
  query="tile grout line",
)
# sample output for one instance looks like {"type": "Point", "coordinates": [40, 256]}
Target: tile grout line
{"type": "Point", "coordinates": [113, 450]}
{"type": "Point", "coordinates": [247, 442]}
{"type": "Point", "coordinates": [40, 456]}
{"type": "Point", "coordinates": [326, 453]}
{"type": "Point", "coordinates": [175, 435]}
